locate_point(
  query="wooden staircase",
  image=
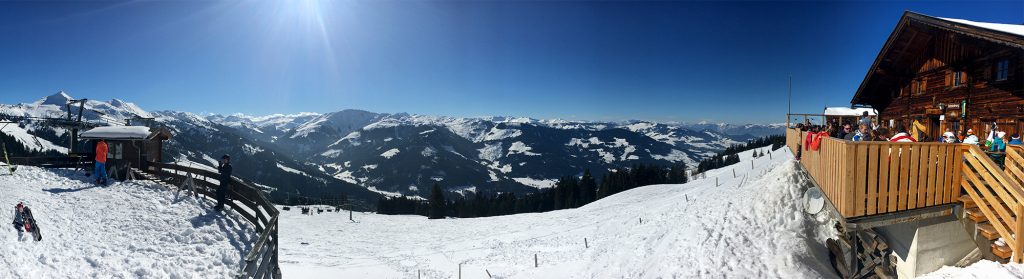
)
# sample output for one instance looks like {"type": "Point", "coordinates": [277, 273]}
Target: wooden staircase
{"type": "Point", "coordinates": [993, 202]}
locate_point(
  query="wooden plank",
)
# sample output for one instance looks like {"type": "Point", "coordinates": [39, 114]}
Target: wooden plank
{"type": "Point", "coordinates": [860, 182]}
{"type": "Point", "coordinates": [941, 175]}
{"type": "Point", "coordinates": [952, 157]}
{"type": "Point", "coordinates": [872, 195]}
{"type": "Point", "coordinates": [932, 179]}
{"type": "Point", "coordinates": [922, 178]}
{"type": "Point", "coordinates": [1018, 247]}
{"type": "Point", "coordinates": [894, 176]}
{"type": "Point", "coordinates": [883, 179]}
{"type": "Point", "coordinates": [848, 187]}
{"type": "Point", "coordinates": [913, 173]}
{"type": "Point", "coordinates": [958, 168]}
{"type": "Point", "coordinates": [902, 201]}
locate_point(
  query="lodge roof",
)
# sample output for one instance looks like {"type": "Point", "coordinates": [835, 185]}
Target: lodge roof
{"type": "Point", "coordinates": [1011, 35]}
{"type": "Point", "coordinates": [126, 133]}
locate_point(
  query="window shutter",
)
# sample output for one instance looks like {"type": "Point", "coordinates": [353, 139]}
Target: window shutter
{"type": "Point", "coordinates": [949, 77]}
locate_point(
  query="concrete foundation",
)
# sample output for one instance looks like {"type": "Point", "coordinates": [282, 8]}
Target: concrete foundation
{"type": "Point", "coordinates": [925, 246]}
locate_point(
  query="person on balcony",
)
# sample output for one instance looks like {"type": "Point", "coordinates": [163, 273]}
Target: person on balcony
{"type": "Point", "coordinates": [999, 142]}
{"type": "Point", "coordinates": [810, 137]}
{"type": "Point", "coordinates": [902, 136]}
{"type": "Point", "coordinates": [847, 132]}
{"type": "Point", "coordinates": [862, 133]}
{"type": "Point", "coordinates": [1015, 140]}
{"type": "Point", "coordinates": [948, 136]}
{"type": "Point", "coordinates": [819, 137]}
{"type": "Point", "coordinates": [971, 138]}
{"type": "Point", "coordinates": [880, 134]}
{"type": "Point", "coordinates": [864, 120]}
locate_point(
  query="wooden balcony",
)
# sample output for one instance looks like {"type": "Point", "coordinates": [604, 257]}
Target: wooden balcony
{"type": "Point", "coordinates": [868, 178]}
{"type": "Point", "coordinates": [862, 179]}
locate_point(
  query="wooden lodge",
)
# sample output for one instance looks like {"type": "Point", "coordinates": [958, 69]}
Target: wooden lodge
{"type": "Point", "coordinates": [935, 74]}
{"type": "Point", "coordinates": [932, 74]}
{"type": "Point", "coordinates": [129, 146]}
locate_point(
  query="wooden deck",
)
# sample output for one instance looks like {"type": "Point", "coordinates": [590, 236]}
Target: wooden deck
{"type": "Point", "coordinates": [866, 179]}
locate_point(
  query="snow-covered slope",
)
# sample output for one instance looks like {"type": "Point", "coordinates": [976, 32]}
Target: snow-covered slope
{"type": "Point", "coordinates": [125, 230]}
{"type": "Point", "coordinates": [752, 226]}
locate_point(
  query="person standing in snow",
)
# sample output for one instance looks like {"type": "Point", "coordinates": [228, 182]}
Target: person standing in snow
{"type": "Point", "coordinates": [19, 220]}
{"type": "Point", "coordinates": [225, 180]}
{"type": "Point", "coordinates": [101, 162]}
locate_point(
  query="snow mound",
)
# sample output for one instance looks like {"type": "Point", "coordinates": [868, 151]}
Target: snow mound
{"type": "Point", "coordinates": [981, 269]}
{"type": "Point", "coordinates": [751, 226]}
{"type": "Point", "coordinates": [124, 230]}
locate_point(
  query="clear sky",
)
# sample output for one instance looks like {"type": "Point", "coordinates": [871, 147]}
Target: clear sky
{"type": "Point", "coordinates": [602, 60]}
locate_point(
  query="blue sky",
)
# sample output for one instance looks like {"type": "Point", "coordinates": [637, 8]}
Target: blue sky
{"type": "Point", "coordinates": [604, 60]}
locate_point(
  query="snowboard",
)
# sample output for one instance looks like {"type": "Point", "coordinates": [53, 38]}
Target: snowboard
{"type": "Point", "coordinates": [30, 225]}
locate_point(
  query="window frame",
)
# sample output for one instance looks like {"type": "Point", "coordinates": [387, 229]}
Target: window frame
{"type": "Point", "coordinates": [1002, 73]}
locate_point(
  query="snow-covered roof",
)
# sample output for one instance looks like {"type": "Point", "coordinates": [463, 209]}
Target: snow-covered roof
{"type": "Point", "coordinates": [846, 111]}
{"type": "Point", "coordinates": [117, 132]}
{"type": "Point", "coordinates": [1015, 29]}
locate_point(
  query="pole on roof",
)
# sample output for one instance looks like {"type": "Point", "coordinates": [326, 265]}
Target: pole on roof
{"type": "Point", "coordinates": [789, 110]}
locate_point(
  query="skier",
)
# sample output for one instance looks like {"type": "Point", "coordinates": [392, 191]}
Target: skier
{"type": "Point", "coordinates": [225, 179]}
{"type": "Point", "coordinates": [101, 162]}
{"type": "Point", "coordinates": [19, 220]}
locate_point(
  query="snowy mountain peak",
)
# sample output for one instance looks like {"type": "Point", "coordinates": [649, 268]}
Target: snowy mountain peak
{"type": "Point", "coordinates": [59, 99]}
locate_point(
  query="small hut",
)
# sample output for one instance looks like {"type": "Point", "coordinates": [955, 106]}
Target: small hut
{"type": "Point", "coordinates": [846, 115]}
{"type": "Point", "coordinates": [129, 146]}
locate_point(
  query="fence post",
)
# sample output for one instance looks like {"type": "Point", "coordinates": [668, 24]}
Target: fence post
{"type": "Point", "coordinates": [535, 263]}
{"type": "Point", "coordinates": [734, 173]}
{"type": "Point", "coordinates": [716, 181]}
{"type": "Point", "coordinates": [1018, 241]}
{"type": "Point", "coordinates": [489, 274]}
{"type": "Point", "coordinates": [460, 270]}
{"type": "Point", "coordinates": [751, 163]}
{"type": "Point", "coordinates": [585, 244]}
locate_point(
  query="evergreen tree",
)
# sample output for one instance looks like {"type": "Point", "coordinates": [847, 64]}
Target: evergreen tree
{"type": "Point", "coordinates": [437, 203]}
{"type": "Point", "coordinates": [588, 188]}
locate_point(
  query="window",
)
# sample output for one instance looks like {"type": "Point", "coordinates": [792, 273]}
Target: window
{"type": "Point", "coordinates": [919, 86]}
{"type": "Point", "coordinates": [958, 78]}
{"type": "Point", "coordinates": [1002, 69]}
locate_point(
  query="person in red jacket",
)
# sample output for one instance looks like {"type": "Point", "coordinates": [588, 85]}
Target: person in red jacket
{"type": "Point", "coordinates": [101, 162]}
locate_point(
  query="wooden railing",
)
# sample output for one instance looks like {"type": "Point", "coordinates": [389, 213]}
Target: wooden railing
{"type": "Point", "coordinates": [998, 194]}
{"type": "Point", "coordinates": [868, 178]}
{"type": "Point", "coordinates": [53, 161]}
{"type": "Point", "coordinates": [1014, 166]}
{"type": "Point", "coordinates": [246, 199]}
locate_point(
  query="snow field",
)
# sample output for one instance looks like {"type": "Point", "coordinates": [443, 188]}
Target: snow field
{"type": "Point", "coordinates": [124, 230]}
{"type": "Point", "coordinates": [751, 226]}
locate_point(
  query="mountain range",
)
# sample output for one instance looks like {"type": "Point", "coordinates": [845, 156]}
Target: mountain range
{"type": "Point", "coordinates": [366, 154]}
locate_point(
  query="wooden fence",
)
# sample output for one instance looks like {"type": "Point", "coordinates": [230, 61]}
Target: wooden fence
{"type": "Point", "coordinates": [249, 201]}
{"type": "Point", "coordinates": [868, 178]}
